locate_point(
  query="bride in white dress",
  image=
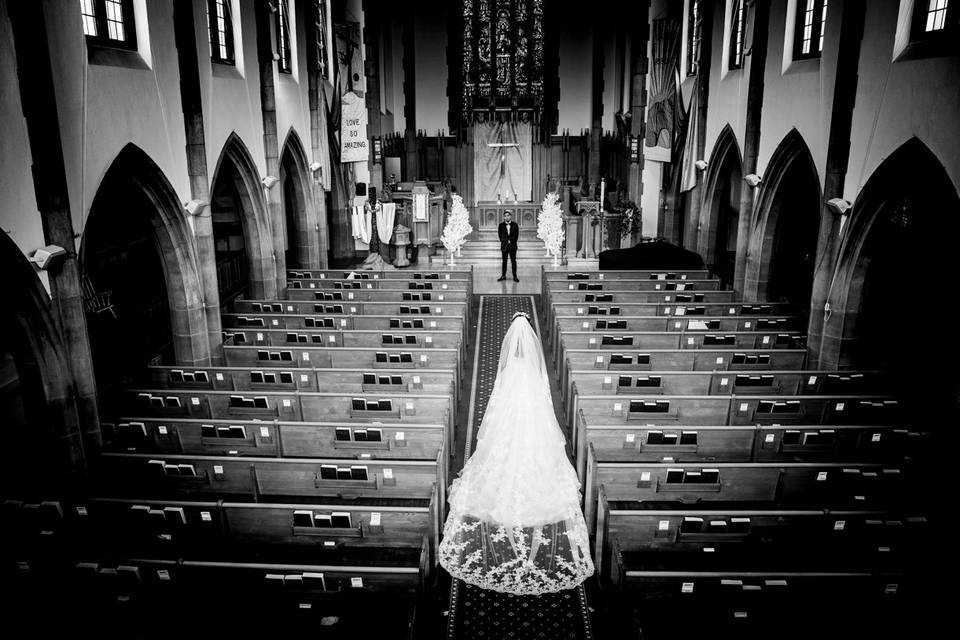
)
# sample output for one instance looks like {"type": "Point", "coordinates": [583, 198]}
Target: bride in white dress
{"type": "Point", "coordinates": [515, 523]}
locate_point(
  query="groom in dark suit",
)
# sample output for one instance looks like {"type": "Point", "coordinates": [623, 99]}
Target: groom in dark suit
{"type": "Point", "coordinates": [509, 233]}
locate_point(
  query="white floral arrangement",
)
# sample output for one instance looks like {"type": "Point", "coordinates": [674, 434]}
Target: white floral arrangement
{"type": "Point", "coordinates": [550, 224]}
{"type": "Point", "coordinates": [458, 227]}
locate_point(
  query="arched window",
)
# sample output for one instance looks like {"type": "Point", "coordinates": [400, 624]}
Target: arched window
{"type": "Point", "coordinates": [693, 37]}
{"type": "Point", "coordinates": [284, 64]}
{"type": "Point", "coordinates": [109, 23]}
{"type": "Point", "coordinates": [933, 19]}
{"type": "Point", "coordinates": [738, 26]}
{"type": "Point", "coordinates": [808, 32]}
{"type": "Point", "coordinates": [220, 29]}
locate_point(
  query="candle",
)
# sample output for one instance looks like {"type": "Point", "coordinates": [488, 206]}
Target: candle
{"type": "Point", "coordinates": [603, 188]}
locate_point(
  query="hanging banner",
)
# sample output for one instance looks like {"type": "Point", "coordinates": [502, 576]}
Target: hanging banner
{"type": "Point", "coordinates": [353, 131]}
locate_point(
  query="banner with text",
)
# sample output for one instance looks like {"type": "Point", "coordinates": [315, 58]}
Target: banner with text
{"type": "Point", "coordinates": [353, 129]}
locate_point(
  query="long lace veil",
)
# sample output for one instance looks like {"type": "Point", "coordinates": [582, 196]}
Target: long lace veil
{"type": "Point", "coordinates": [515, 523]}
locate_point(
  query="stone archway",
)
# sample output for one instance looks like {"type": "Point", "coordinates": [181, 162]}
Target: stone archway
{"type": "Point", "coordinates": [299, 210]}
{"type": "Point", "coordinates": [135, 241]}
{"type": "Point", "coordinates": [720, 214]}
{"type": "Point", "coordinates": [896, 264]}
{"type": "Point", "coordinates": [38, 411]}
{"type": "Point", "coordinates": [785, 228]}
{"type": "Point", "coordinates": [246, 265]}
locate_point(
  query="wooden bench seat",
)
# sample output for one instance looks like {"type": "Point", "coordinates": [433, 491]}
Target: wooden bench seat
{"type": "Point", "coordinates": [353, 308]}
{"type": "Point", "coordinates": [376, 295]}
{"type": "Point", "coordinates": [293, 406]}
{"type": "Point", "coordinates": [379, 284]}
{"type": "Point", "coordinates": [876, 536]}
{"type": "Point", "coordinates": [251, 323]}
{"type": "Point", "coordinates": [711, 324]}
{"type": "Point", "coordinates": [375, 358]}
{"type": "Point", "coordinates": [392, 274]}
{"type": "Point", "coordinates": [619, 340]}
{"type": "Point", "coordinates": [756, 443]}
{"type": "Point", "coordinates": [749, 604]}
{"type": "Point", "coordinates": [137, 475]}
{"type": "Point", "coordinates": [588, 310]}
{"type": "Point", "coordinates": [345, 439]}
{"type": "Point", "coordinates": [773, 485]}
{"type": "Point", "coordinates": [633, 361]}
{"type": "Point", "coordinates": [431, 381]}
{"type": "Point", "coordinates": [174, 528]}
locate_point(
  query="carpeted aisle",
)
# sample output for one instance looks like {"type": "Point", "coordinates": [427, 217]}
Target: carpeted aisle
{"type": "Point", "coordinates": [478, 613]}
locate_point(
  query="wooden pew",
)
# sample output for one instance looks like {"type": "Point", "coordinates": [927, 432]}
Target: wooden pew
{"type": "Point", "coordinates": [684, 413]}
{"type": "Point", "coordinates": [799, 604]}
{"type": "Point", "coordinates": [755, 443]}
{"type": "Point", "coordinates": [273, 479]}
{"type": "Point", "coordinates": [362, 581]}
{"type": "Point", "coordinates": [293, 406]}
{"type": "Point", "coordinates": [637, 361]}
{"type": "Point", "coordinates": [619, 340]}
{"type": "Point", "coordinates": [353, 308]}
{"type": "Point", "coordinates": [416, 338]}
{"type": "Point", "coordinates": [380, 284]}
{"type": "Point", "coordinates": [376, 295]}
{"type": "Point", "coordinates": [880, 538]}
{"type": "Point", "coordinates": [345, 439]}
{"type": "Point", "coordinates": [770, 485]}
{"type": "Point", "coordinates": [712, 324]}
{"type": "Point", "coordinates": [431, 381]}
{"type": "Point", "coordinates": [344, 358]}
{"type": "Point", "coordinates": [559, 299]}
{"type": "Point", "coordinates": [249, 324]}
{"type": "Point", "coordinates": [623, 286]}
{"type": "Point", "coordinates": [177, 528]}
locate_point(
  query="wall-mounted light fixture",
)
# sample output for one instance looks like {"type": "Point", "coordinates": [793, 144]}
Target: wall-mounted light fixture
{"type": "Point", "coordinates": [752, 179]}
{"type": "Point", "coordinates": [48, 256]}
{"type": "Point", "coordinates": [269, 181]}
{"type": "Point", "coordinates": [701, 164]}
{"type": "Point", "coordinates": [839, 206]}
{"type": "Point", "coordinates": [195, 207]}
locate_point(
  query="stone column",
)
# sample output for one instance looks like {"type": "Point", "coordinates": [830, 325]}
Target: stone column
{"type": "Point", "coordinates": [694, 196]}
{"type": "Point", "coordinates": [751, 138]}
{"type": "Point", "coordinates": [271, 150]}
{"type": "Point", "coordinates": [639, 65]}
{"type": "Point", "coordinates": [825, 332]}
{"type": "Point", "coordinates": [596, 111]}
{"type": "Point", "coordinates": [185, 35]}
{"type": "Point", "coordinates": [39, 104]}
{"type": "Point", "coordinates": [318, 129]}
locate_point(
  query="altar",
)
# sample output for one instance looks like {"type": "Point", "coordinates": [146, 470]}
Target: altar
{"type": "Point", "coordinates": [489, 215]}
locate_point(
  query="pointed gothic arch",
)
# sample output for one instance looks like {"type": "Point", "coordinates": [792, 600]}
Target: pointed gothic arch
{"type": "Point", "coordinates": [236, 193]}
{"type": "Point", "coordinates": [720, 211]}
{"type": "Point", "coordinates": [135, 198]}
{"type": "Point", "coordinates": [785, 226]}
{"type": "Point", "coordinates": [894, 254]}
{"type": "Point", "coordinates": [299, 210]}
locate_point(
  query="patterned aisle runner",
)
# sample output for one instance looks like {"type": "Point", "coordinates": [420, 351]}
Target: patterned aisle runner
{"type": "Point", "coordinates": [479, 613]}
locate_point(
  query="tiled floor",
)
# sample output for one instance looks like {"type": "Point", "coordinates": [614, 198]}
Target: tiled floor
{"type": "Point", "coordinates": [485, 279]}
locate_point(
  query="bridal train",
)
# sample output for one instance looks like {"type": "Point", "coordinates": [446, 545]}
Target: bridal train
{"type": "Point", "coordinates": [515, 523]}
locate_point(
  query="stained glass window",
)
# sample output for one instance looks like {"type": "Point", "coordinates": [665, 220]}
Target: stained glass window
{"type": "Point", "coordinates": [220, 22]}
{"type": "Point", "coordinates": [809, 29]}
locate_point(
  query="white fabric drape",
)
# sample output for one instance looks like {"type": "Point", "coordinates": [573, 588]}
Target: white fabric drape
{"type": "Point", "coordinates": [385, 216]}
{"type": "Point", "coordinates": [515, 523]}
{"type": "Point", "coordinates": [517, 161]}
{"type": "Point", "coordinates": [360, 219]}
